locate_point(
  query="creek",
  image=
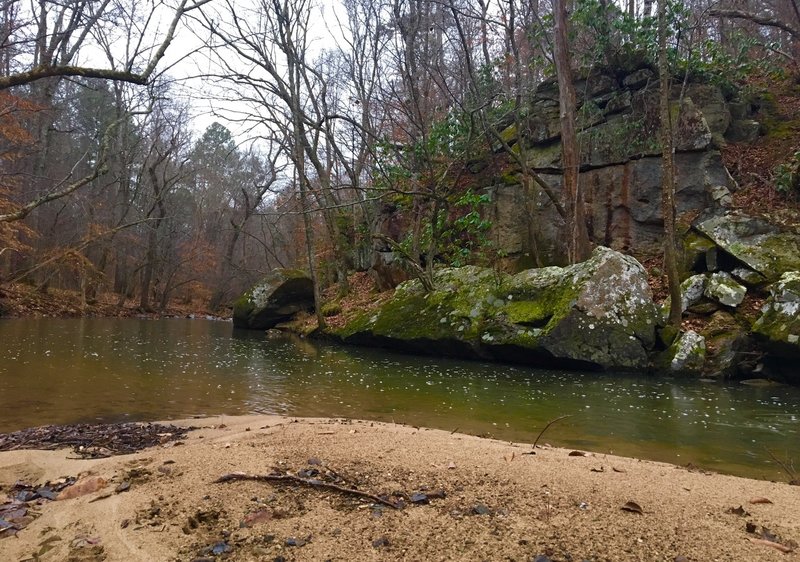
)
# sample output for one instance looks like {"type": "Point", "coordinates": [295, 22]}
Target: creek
{"type": "Point", "coordinates": [60, 371]}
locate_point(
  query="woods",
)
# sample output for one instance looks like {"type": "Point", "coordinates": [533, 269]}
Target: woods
{"type": "Point", "coordinates": [380, 140]}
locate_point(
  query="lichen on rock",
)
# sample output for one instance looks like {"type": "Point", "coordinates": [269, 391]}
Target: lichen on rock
{"type": "Point", "coordinates": [688, 353]}
{"type": "Point", "coordinates": [274, 299]}
{"type": "Point", "coordinates": [722, 288]}
{"type": "Point", "coordinates": [779, 324]}
{"type": "Point", "coordinates": [596, 314]}
{"type": "Point", "coordinates": [765, 248]}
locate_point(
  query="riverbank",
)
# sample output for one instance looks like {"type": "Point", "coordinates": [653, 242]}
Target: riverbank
{"type": "Point", "coordinates": [466, 498]}
{"type": "Point", "coordinates": [18, 300]}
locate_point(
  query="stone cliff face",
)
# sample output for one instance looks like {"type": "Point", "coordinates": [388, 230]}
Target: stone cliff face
{"type": "Point", "coordinates": [620, 164]}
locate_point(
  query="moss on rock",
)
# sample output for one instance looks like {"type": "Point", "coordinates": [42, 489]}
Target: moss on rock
{"type": "Point", "coordinates": [274, 299]}
{"type": "Point", "coordinates": [779, 324]}
{"type": "Point", "coordinates": [763, 247]}
{"type": "Point", "coordinates": [597, 314]}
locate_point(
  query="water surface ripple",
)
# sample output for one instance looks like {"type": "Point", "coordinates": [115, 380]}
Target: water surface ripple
{"type": "Point", "coordinates": [105, 370]}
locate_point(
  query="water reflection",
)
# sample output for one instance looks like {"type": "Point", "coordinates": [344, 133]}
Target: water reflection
{"type": "Point", "coordinates": [66, 371]}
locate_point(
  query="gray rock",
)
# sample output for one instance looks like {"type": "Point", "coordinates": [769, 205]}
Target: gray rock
{"type": "Point", "coordinates": [275, 299]}
{"type": "Point", "coordinates": [738, 110]}
{"type": "Point", "coordinates": [725, 339]}
{"type": "Point", "coordinates": [779, 324]}
{"type": "Point", "coordinates": [743, 130]}
{"type": "Point", "coordinates": [692, 132]}
{"type": "Point", "coordinates": [618, 103]}
{"type": "Point", "coordinates": [761, 246]}
{"type": "Point", "coordinates": [712, 259]}
{"type": "Point", "coordinates": [596, 314]}
{"type": "Point", "coordinates": [688, 353]}
{"type": "Point", "coordinates": [691, 293]}
{"type": "Point", "coordinates": [387, 269]}
{"type": "Point", "coordinates": [722, 288]}
{"type": "Point", "coordinates": [623, 202]}
{"type": "Point", "coordinates": [638, 79]}
{"type": "Point", "coordinates": [711, 102]}
{"type": "Point", "coordinates": [720, 195]}
{"type": "Point", "coordinates": [596, 85]}
{"type": "Point", "coordinates": [692, 290]}
{"type": "Point", "coordinates": [748, 276]}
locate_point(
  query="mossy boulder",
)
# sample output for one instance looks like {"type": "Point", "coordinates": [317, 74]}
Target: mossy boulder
{"type": "Point", "coordinates": [692, 290]}
{"type": "Point", "coordinates": [274, 299]}
{"type": "Point", "coordinates": [722, 288]}
{"type": "Point", "coordinates": [598, 314]}
{"type": "Point", "coordinates": [726, 339]}
{"type": "Point", "coordinates": [761, 246]}
{"type": "Point", "coordinates": [779, 324]}
{"type": "Point", "coordinates": [686, 355]}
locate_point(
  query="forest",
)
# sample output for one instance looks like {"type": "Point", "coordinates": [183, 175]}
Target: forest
{"type": "Point", "coordinates": [178, 152]}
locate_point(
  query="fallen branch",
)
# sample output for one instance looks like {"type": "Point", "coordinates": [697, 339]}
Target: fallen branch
{"type": "Point", "coordinates": [310, 482]}
{"type": "Point", "coordinates": [551, 422]}
{"type": "Point", "coordinates": [786, 466]}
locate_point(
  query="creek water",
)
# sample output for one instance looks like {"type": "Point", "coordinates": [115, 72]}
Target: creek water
{"type": "Point", "coordinates": [110, 370]}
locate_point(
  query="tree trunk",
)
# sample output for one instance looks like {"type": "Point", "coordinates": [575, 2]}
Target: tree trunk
{"type": "Point", "coordinates": [578, 240]}
{"type": "Point", "coordinates": [147, 274]}
{"type": "Point", "coordinates": [668, 172]}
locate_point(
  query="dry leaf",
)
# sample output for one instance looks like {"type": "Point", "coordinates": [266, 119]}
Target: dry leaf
{"type": "Point", "coordinates": [633, 507]}
{"type": "Point", "coordinates": [82, 487]}
{"type": "Point", "coordinates": [737, 511]}
{"type": "Point", "coordinates": [260, 516]}
{"type": "Point", "coordinates": [601, 469]}
{"type": "Point", "coordinates": [776, 545]}
{"type": "Point", "coordinates": [760, 500]}
{"type": "Point", "coordinates": [619, 470]}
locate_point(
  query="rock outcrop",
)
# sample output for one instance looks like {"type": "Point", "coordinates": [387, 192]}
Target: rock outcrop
{"type": "Point", "coordinates": [598, 314]}
{"type": "Point", "coordinates": [618, 134]}
{"type": "Point", "coordinates": [779, 324]}
{"type": "Point", "coordinates": [756, 245]}
{"type": "Point", "coordinates": [274, 299]}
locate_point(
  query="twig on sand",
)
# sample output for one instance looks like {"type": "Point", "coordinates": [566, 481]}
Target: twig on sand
{"type": "Point", "coordinates": [551, 422]}
{"type": "Point", "coordinates": [310, 482]}
{"type": "Point", "coordinates": [776, 545]}
{"type": "Point", "coordinates": [787, 467]}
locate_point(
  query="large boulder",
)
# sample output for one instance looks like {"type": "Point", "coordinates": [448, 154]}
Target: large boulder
{"type": "Point", "coordinates": [274, 299]}
{"type": "Point", "coordinates": [598, 314]}
{"type": "Point", "coordinates": [763, 247]}
{"type": "Point", "coordinates": [779, 324]}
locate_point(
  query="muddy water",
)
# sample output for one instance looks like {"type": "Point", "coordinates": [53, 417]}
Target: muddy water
{"type": "Point", "coordinates": [68, 371]}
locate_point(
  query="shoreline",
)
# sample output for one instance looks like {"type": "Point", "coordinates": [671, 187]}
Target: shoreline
{"type": "Point", "coordinates": [498, 502]}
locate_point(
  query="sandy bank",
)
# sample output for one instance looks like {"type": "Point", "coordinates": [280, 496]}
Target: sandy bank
{"type": "Point", "coordinates": [498, 504]}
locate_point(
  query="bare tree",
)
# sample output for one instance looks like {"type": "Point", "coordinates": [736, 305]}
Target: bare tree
{"type": "Point", "coordinates": [54, 32]}
{"type": "Point", "coordinates": [578, 240]}
{"type": "Point", "coordinates": [41, 46]}
{"type": "Point", "coordinates": [668, 170]}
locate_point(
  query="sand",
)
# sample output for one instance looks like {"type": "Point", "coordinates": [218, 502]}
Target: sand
{"type": "Point", "coordinates": [499, 503]}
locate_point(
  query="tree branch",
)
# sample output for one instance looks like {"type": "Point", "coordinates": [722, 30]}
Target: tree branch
{"type": "Point", "coordinates": [51, 70]}
{"type": "Point", "coordinates": [756, 18]}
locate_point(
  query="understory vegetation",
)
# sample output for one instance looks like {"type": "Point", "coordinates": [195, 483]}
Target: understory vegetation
{"type": "Point", "coordinates": [139, 184]}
